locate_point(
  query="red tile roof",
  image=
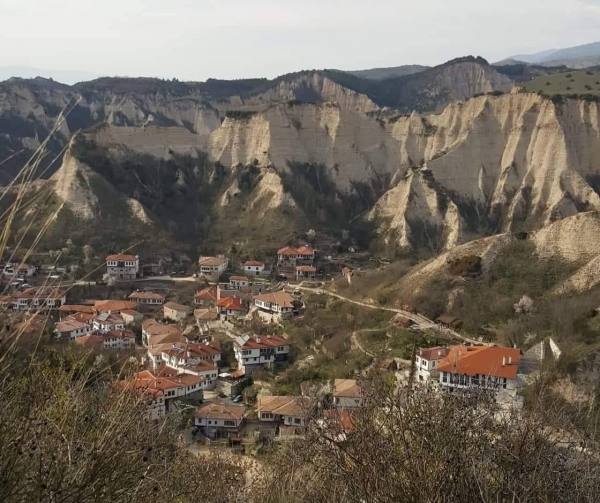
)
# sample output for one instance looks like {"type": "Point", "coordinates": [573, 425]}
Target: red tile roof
{"type": "Point", "coordinates": [180, 308]}
{"type": "Point", "coordinates": [482, 360]}
{"type": "Point", "coordinates": [147, 295]}
{"type": "Point", "coordinates": [305, 250]}
{"type": "Point", "coordinates": [238, 278]}
{"type": "Point", "coordinates": [221, 411]}
{"type": "Point", "coordinates": [306, 268]}
{"type": "Point", "coordinates": [114, 306]}
{"type": "Point", "coordinates": [288, 250]}
{"type": "Point", "coordinates": [122, 257]}
{"type": "Point", "coordinates": [130, 312]}
{"type": "Point", "coordinates": [120, 334]}
{"type": "Point", "coordinates": [280, 298]}
{"type": "Point", "coordinates": [430, 354]}
{"type": "Point", "coordinates": [254, 263]}
{"type": "Point", "coordinates": [212, 261]}
{"type": "Point", "coordinates": [346, 388]}
{"type": "Point", "coordinates": [231, 304]}
{"type": "Point", "coordinates": [207, 294]}
{"type": "Point", "coordinates": [295, 406]}
{"type": "Point", "coordinates": [69, 324]}
{"type": "Point", "coordinates": [74, 308]}
{"type": "Point", "coordinates": [41, 293]}
{"type": "Point", "coordinates": [261, 342]}
{"type": "Point", "coordinates": [90, 341]}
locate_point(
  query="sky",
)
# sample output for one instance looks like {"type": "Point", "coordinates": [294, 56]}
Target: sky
{"type": "Point", "coordinates": [198, 39]}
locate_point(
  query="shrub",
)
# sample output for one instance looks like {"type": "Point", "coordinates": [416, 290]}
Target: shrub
{"type": "Point", "coordinates": [469, 265]}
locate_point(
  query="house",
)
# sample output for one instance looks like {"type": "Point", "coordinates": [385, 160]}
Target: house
{"type": "Point", "coordinates": [275, 305]}
{"type": "Point", "coordinates": [39, 299]}
{"type": "Point", "coordinates": [447, 321]}
{"type": "Point", "coordinates": [427, 360]}
{"type": "Point", "coordinates": [122, 266]}
{"type": "Point", "coordinates": [32, 324]}
{"type": "Point", "coordinates": [305, 256]}
{"type": "Point", "coordinates": [237, 282]}
{"type": "Point", "coordinates": [193, 359]}
{"type": "Point", "coordinates": [283, 410]}
{"type": "Point", "coordinates": [6, 301]}
{"type": "Point", "coordinates": [211, 268]}
{"type": "Point", "coordinates": [148, 298]}
{"type": "Point", "coordinates": [159, 331]}
{"type": "Point", "coordinates": [253, 267]}
{"type": "Point", "coordinates": [130, 316]}
{"type": "Point", "coordinates": [119, 339]}
{"type": "Point", "coordinates": [287, 257]}
{"type": "Point", "coordinates": [253, 352]}
{"type": "Point", "coordinates": [175, 312]}
{"type": "Point", "coordinates": [341, 420]}
{"type": "Point", "coordinates": [230, 307]}
{"type": "Point", "coordinates": [480, 367]}
{"type": "Point", "coordinates": [13, 271]}
{"type": "Point", "coordinates": [105, 322]}
{"type": "Point", "coordinates": [173, 386]}
{"type": "Point", "coordinates": [69, 309]}
{"type": "Point", "coordinates": [347, 394]}
{"type": "Point", "coordinates": [305, 272]}
{"type": "Point", "coordinates": [113, 306]}
{"type": "Point", "coordinates": [207, 297]}
{"type": "Point", "coordinates": [90, 341]}
{"type": "Point", "coordinates": [71, 329]}
{"type": "Point", "coordinates": [217, 419]}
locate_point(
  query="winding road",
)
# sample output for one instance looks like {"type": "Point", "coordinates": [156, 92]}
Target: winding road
{"type": "Point", "coordinates": [419, 319]}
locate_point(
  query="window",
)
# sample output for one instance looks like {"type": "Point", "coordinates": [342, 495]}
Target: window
{"type": "Point", "coordinates": [444, 377]}
{"type": "Point", "coordinates": [229, 423]}
{"type": "Point", "coordinates": [267, 415]}
{"type": "Point", "coordinates": [297, 421]}
{"type": "Point", "coordinates": [209, 422]}
{"type": "Point", "coordinates": [504, 383]}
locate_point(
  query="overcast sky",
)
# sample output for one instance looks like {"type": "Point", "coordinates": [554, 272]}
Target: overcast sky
{"type": "Point", "coordinates": [198, 39]}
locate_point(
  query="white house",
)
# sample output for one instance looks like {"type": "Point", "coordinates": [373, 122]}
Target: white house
{"type": "Point", "coordinates": [254, 352]}
{"type": "Point", "coordinates": [211, 268]}
{"type": "Point", "coordinates": [130, 316]}
{"type": "Point", "coordinates": [427, 360]}
{"type": "Point", "coordinates": [175, 312]}
{"type": "Point", "coordinates": [483, 367]}
{"type": "Point", "coordinates": [154, 329]}
{"type": "Point", "coordinates": [276, 305]}
{"type": "Point", "coordinates": [253, 267]}
{"type": "Point", "coordinates": [119, 339]}
{"type": "Point", "coordinates": [172, 385]}
{"type": "Point", "coordinates": [69, 329]}
{"type": "Point", "coordinates": [13, 271]}
{"type": "Point", "coordinates": [148, 298]}
{"type": "Point", "coordinates": [218, 419]}
{"type": "Point", "coordinates": [230, 307]}
{"type": "Point", "coordinates": [284, 410]}
{"type": "Point", "coordinates": [122, 266]}
{"type": "Point", "coordinates": [305, 272]}
{"type": "Point", "coordinates": [347, 394]}
{"type": "Point", "coordinates": [105, 322]}
{"type": "Point", "coordinates": [39, 299]}
{"type": "Point", "coordinates": [195, 359]}
{"type": "Point", "coordinates": [237, 282]}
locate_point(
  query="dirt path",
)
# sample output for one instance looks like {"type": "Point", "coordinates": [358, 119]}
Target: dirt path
{"type": "Point", "coordinates": [419, 319]}
{"type": "Point", "coordinates": [354, 340]}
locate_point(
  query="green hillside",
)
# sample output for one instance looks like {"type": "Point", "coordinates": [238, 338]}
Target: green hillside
{"type": "Point", "coordinates": [567, 82]}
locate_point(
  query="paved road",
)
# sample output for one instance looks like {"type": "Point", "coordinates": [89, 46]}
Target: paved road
{"type": "Point", "coordinates": [419, 319]}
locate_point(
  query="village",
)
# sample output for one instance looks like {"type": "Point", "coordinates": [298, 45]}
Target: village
{"type": "Point", "coordinates": [219, 356]}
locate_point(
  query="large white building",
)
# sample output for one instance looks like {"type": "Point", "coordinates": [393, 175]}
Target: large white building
{"type": "Point", "coordinates": [39, 299]}
{"type": "Point", "coordinates": [211, 268]}
{"type": "Point", "coordinates": [479, 367]}
{"type": "Point", "coordinates": [122, 266]}
{"type": "Point", "coordinates": [275, 306]}
{"type": "Point", "coordinates": [347, 394]}
{"type": "Point", "coordinates": [254, 352]}
{"type": "Point", "coordinates": [71, 329]}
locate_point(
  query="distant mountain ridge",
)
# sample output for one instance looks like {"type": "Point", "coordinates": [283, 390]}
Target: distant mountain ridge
{"type": "Point", "coordinates": [388, 72]}
{"type": "Point", "coordinates": [581, 56]}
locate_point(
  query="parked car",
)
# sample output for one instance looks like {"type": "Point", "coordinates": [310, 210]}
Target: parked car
{"type": "Point", "coordinates": [237, 399]}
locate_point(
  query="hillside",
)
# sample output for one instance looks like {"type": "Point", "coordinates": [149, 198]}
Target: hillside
{"type": "Point", "coordinates": [574, 82]}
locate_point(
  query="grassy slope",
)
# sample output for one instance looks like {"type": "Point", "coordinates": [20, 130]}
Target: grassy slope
{"type": "Point", "coordinates": [567, 82]}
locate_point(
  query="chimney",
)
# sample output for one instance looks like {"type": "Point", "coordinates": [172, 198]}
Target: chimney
{"type": "Point", "coordinates": [258, 340]}
{"type": "Point", "coordinates": [504, 361]}
{"type": "Point", "coordinates": [510, 360]}
{"type": "Point", "coordinates": [420, 352]}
